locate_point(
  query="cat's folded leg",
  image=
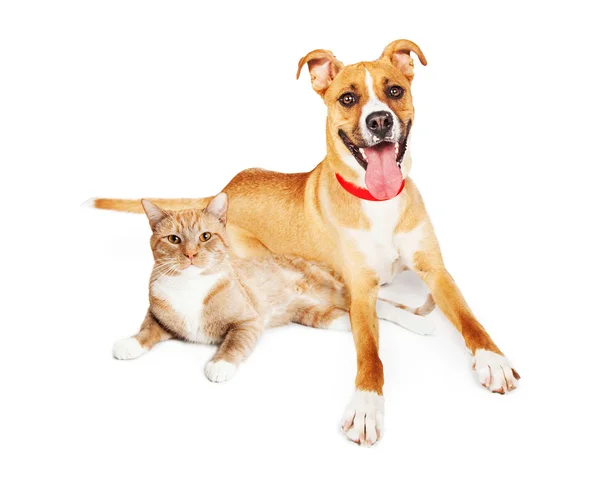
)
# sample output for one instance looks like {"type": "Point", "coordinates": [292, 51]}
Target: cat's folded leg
{"type": "Point", "coordinates": [323, 317]}
{"type": "Point", "coordinates": [151, 332]}
{"type": "Point", "coordinates": [339, 319]}
{"type": "Point", "coordinates": [237, 346]}
{"type": "Point", "coordinates": [409, 318]}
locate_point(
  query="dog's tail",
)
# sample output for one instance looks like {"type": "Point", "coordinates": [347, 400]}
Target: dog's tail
{"type": "Point", "coordinates": [415, 321]}
{"type": "Point", "coordinates": [135, 206]}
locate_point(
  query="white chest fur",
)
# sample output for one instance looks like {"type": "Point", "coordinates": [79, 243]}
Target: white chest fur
{"type": "Point", "coordinates": [409, 243]}
{"type": "Point", "coordinates": [185, 294]}
{"type": "Point", "coordinates": [377, 243]}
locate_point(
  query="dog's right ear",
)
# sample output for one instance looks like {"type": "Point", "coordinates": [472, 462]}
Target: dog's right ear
{"type": "Point", "coordinates": [323, 68]}
{"type": "Point", "coordinates": [153, 212]}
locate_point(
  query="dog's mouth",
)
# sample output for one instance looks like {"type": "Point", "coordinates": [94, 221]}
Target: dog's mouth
{"type": "Point", "coordinates": [382, 162]}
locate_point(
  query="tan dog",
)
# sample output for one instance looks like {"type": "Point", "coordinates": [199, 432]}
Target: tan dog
{"type": "Point", "coordinates": [359, 212]}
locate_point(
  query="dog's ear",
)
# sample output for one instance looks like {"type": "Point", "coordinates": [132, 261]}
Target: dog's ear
{"type": "Point", "coordinates": [323, 68]}
{"type": "Point", "coordinates": [398, 54]}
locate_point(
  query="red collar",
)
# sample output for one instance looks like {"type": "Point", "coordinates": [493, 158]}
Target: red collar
{"type": "Point", "coordinates": [359, 192]}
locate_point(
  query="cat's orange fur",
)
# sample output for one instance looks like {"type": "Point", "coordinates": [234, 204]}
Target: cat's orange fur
{"type": "Point", "coordinates": [232, 299]}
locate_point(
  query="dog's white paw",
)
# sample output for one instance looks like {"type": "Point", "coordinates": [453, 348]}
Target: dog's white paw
{"type": "Point", "coordinates": [220, 371]}
{"type": "Point", "coordinates": [128, 348]}
{"type": "Point", "coordinates": [363, 419]}
{"type": "Point", "coordinates": [495, 372]}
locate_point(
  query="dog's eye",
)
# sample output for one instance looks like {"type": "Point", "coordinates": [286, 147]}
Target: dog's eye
{"type": "Point", "coordinates": [347, 99]}
{"type": "Point", "coordinates": [205, 236]}
{"type": "Point", "coordinates": [395, 91]}
{"type": "Point", "coordinates": [174, 239]}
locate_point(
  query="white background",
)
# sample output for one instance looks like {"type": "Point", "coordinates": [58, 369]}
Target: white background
{"type": "Point", "coordinates": [171, 99]}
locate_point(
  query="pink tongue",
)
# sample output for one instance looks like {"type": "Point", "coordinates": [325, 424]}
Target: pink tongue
{"type": "Point", "coordinates": [383, 177]}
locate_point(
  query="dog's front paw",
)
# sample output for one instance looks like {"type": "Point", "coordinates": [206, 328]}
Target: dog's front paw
{"type": "Point", "coordinates": [128, 348]}
{"type": "Point", "coordinates": [220, 371]}
{"type": "Point", "coordinates": [363, 419]}
{"type": "Point", "coordinates": [495, 372]}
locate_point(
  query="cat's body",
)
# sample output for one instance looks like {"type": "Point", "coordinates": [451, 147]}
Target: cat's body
{"type": "Point", "coordinates": [199, 292]}
{"type": "Point", "coordinates": [271, 290]}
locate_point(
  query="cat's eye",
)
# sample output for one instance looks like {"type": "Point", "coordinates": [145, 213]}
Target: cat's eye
{"type": "Point", "coordinates": [174, 239]}
{"type": "Point", "coordinates": [205, 236]}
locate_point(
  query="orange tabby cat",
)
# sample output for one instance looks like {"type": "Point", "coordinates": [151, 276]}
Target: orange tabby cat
{"type": "Point", "coordinates": [200, 292]}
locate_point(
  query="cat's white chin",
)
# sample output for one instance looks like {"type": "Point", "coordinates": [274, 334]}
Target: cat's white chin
{"type": "Point", "coordinates": [191, 270]}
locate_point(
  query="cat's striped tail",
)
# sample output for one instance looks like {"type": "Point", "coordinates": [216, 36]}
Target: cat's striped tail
{"type": "Point", "coordinates": [135, 206]}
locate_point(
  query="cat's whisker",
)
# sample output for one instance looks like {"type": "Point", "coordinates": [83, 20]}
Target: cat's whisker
{"type": "Point", "coordinates": [169, 268]}
{"type": "Point", "coordinates": [159, 271]}
{"type": "Point", "coordinates": [168, 264]}
{"type": "Point", "coordinates": [162, 268]}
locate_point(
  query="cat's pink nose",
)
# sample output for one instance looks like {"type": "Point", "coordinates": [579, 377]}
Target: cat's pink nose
{"type": "Point", "coordinates": [191, 256]}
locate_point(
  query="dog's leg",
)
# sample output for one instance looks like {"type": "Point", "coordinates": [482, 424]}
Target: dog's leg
{"type": "Point", "coordinates": [363, 418]}
{"type": "Point", "coordinates": [492, 367]}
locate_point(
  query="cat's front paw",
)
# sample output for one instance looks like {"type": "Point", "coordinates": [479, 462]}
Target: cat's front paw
{"type": "Point", "coordinates": [220, 371]}
{"type": "Point", "coordinates": [128, 348]}
{"type": "Point", "coordinates": [495, 372]}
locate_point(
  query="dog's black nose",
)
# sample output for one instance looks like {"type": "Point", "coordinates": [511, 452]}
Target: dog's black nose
{"type": "Point", "coordinates": [380, 123]}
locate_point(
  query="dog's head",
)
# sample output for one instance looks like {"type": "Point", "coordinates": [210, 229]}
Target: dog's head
{"type": "Point", "coordinates": [370, 114]}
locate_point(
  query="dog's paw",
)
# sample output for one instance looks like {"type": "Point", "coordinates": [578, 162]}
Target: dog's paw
{"type": "Point", "coordinates": [128, 348]}
{"type": "Point", "coordinates": [495, 372]}
{"type": "Point", "coordinates": [220, 371]}
{"type": "Point", "coordinates": [363, 419]}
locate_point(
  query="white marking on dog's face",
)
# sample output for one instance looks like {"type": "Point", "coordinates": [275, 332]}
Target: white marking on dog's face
{"type": "Point", "coordinates": [372, 105]}
{"type": "Point", "coordinates": [363, 419]}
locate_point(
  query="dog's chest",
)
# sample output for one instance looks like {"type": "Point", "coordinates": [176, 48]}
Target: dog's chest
{"type": "Point", "coordinates": [378, 244]}
{"type": "Point", "coordinates": [185, 295]}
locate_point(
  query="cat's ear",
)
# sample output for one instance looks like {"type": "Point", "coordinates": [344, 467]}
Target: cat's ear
{"type": "Point", "coordinates": [153, 212]}
{"type": "Point", "coordinates": [218, 207]}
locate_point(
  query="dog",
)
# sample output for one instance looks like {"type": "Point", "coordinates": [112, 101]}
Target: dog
{"type": "Point", "coordinates": [359, 212]}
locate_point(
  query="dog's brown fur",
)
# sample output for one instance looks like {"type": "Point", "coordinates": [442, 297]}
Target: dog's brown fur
{"type": "Point", "coordinates": [306, 214]}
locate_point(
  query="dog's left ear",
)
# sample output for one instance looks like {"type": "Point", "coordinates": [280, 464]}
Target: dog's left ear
{"type": "Point", "coordinates": [323, 68]}
{"type": "Point", "coordinates": [398, 54]}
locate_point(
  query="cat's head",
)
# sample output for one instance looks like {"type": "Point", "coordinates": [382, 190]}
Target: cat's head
{"type": "Point", "coordinates": [188, 241]}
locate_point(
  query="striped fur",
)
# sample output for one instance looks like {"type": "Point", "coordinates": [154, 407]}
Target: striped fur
{"type": "Point", "coordinates": [200, 292]}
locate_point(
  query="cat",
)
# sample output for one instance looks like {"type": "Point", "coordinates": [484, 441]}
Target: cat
{"type": "Point", "coordinates": [201, 292]}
